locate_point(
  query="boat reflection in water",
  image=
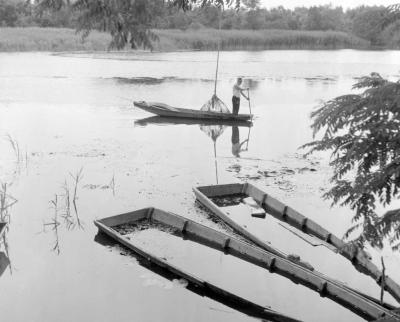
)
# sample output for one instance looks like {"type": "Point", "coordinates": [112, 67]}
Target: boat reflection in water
{"type": "Point", "coordinates": [213, 129]}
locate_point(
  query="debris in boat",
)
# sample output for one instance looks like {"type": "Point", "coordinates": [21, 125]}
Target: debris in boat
{"type": "Point", "coordinates": [131, 228]}
{"type": "Point", "coordinates": [256, 210]}
{"type": "Point", "coordinates": [230, 200]}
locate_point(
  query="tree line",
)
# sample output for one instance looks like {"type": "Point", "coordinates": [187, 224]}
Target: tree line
{"type": "Point", "coordinates": [363, 21]}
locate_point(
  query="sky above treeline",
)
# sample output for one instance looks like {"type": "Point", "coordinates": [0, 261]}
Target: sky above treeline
{"type": "Point", "coordinates": [290, 4]}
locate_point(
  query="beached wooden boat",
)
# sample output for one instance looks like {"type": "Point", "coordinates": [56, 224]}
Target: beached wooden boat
{"type": "Point", "coordinates": [165, 110]}
{"type": "Point", "coordinates": [193, 231]}
{"type": "Point", "coordinates": [162, 120]}
{"type": "Point", "coordinates": [288, 215]}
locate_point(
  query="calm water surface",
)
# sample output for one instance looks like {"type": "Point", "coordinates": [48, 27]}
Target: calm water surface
{"type": "Point", "coordinates": [72, 112]}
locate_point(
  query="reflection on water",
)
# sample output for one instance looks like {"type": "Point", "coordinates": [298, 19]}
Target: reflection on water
{"type": "Point", "coordinates": [236, 144]}
{"type": "Point", "coordinates": [212, 128]}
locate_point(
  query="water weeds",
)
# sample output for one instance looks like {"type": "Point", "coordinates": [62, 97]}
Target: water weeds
{"type": "Point", "coordinates": [20, 157]}
{"type": "Point", "coordinates": [61, 205]}
{"type": "Point", "coordinates": [6, 202]}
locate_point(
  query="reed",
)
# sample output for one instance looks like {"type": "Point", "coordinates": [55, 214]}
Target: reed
{"type": "Point", "coordinates": [63, 39]}
{"type": "Point", "coordinates": [77, 177]}
{"type": "Point", "coordinates": [207, 39]}
{"type": "Point", "coordinates": [54, 223]}
{"type": "Point", "coordinates": [6, 202]}
{"type": "Point", "coordinates": [15, 146]}
{"type": "Point", "coordinates": [50, 39]}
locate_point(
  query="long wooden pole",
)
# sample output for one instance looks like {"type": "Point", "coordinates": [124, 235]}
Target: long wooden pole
{"type": "Point", "coordinates": [248, 98]}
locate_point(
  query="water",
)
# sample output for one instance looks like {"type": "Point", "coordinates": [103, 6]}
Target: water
{"type": "Point", "coordinates": [74, 111]}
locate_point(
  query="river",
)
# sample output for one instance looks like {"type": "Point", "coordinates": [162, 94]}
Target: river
{"type": "Point", "coordinates": [74, 112]}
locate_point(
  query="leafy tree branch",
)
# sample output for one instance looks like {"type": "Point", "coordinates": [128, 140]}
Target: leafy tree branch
{"type": "Point", "coordinates": [362, 133]}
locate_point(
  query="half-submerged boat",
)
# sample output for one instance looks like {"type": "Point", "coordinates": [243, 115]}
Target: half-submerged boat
{"type": "Point", "coordinates": [165, 110]}
{"type": "Point", "coordinates": [111, 227]}
{"type": "Point", "coordinates": [169, 223]}
{"type": "Point", "coordinates": [216, 198]}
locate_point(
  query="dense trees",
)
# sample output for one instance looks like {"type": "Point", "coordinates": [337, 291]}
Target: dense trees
{"type": "Point", "coordinates": [125, 18]}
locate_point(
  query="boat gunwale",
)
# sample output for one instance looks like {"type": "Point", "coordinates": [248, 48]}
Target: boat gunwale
{"type": "Point", "coordinates": [255, 255]}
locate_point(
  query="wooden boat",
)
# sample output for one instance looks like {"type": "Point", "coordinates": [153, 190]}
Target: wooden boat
{"type": "Point", "coordinates": [162, 120]}
{"type": "Point", "coordinates": [194, 283]}
{"type": "Point", "coordinates": [193, 231]}
{"type": "Point", "coordinates": [289, 216]}
{"type": "Point", "coordinates": [165, 110]}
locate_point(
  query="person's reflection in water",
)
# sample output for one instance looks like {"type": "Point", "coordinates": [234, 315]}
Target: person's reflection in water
{"type": "Point", "coordinates": [236, 144]}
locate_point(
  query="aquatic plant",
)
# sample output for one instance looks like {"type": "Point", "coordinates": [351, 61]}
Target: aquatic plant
{"type": "Point", "coordinates": [77, 177]}
{"type": "Point", "coordinates": [112, 184]}
{"type": "Point", "coordinates": [54, 223]}
{"type": "Point", "coordinates": [362, 133]}
{"type": "Point", "coordinates": [6, 202]}
{"type": "Point", "coordinates": [15, 146]}
{"type": "Point", "coordinates": [20, 157]}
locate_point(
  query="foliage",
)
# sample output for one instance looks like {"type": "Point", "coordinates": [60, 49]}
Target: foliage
{"type": "Point", "coordinates": [362, 132]}
{"type": "Point", "coordinates": [368, 23]}
{"type": "Point", "coordinates": [130, 22]}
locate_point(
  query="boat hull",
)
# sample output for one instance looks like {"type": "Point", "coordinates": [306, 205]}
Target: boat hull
{"type": "Point", "coordinates": [293, 218]}
{"type": "Point", "coordinates": [169, 111]}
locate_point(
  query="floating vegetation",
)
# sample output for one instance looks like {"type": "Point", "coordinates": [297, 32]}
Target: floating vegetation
{"type": "Point", "coordinates": [110, 185]}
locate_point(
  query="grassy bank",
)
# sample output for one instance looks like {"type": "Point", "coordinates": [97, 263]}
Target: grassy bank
{"type": "Point", "coordinates": [207, 39]}
{"type": "Point", "coordinates": [50, 39]}
{"type": "Point", "coordinates": [59, 39]}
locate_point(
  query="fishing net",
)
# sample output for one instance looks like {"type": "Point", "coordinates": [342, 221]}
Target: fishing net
{"type": "Point", "coordinates": [213, 131]}
{"type": "Point", "coordinates": [215, 105]}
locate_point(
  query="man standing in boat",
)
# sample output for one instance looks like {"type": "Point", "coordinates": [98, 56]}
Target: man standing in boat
{"type": "Point", "coordinates": [237, 91]}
